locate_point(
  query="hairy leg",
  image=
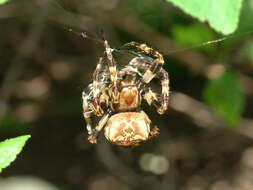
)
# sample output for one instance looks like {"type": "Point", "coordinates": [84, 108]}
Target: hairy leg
{"type": "Point", "coordinates": [113, 72]}
{"type": "Point", "coordinates": [87, 112]}
{"type": "Point", "coordinates": [97, 89]}
{"type": "Point", "coordinates": [159, 101]}
{"type": "Point", "coordinates": [154, 131]}
{"type": "Point", "coordinates": [155, 65]}
{"type": "Point", "coordinates": [152, 70]}
{"type": "Point", "coordinates": [93, 136]}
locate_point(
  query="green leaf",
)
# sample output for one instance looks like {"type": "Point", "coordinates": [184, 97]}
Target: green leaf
{"type": "Point", "coordinates": [224, 95]}
{"type": "Point", "coordinates": [193, 34]}
{"type": "Point", "coordinates": [247, 51]}
{"type": "Point", "coordinates": [10, 148]}
{"type": "Point", "coordinates": [3, 1]}
{"type": "Point", "coordinates": [222, 15]}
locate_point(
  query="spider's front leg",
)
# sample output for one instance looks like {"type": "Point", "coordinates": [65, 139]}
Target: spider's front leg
{"type": "Point", "coordinates": [113, 73]}
{"type": "Point", "coordinates": [97, 89]}
{"type": "Point", "coordinates": [160, 102]}
{"type": "Point", "coordinates": [155, 65]}
{"type": "Point", "coordinates": [154, 69]}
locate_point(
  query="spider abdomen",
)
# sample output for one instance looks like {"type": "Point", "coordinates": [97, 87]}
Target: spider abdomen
{"type": "Point", "coordinates": [128, 128]}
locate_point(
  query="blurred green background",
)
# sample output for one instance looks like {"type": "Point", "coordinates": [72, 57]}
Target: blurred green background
{"type": "Point", "coordinates": [206, 139]}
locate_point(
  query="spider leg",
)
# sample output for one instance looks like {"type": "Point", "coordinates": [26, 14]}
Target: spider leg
{"type": "Point", "coordinates": [160, 102]}
{"type": "Point", "coordinates": [164, 77]}
{"type": "Point", "coordinates": [93, 108]}
{"type": "Point", "coordinates": [113, 72]}
{"type": "Point", "coordinates": [156, 64]}
{"type": "Point", "coordinates": [93, 136]}
{"type": "Point", "coordinates": [155, 69]}
{"type": "Point", "coordinates": [154, 132]}
{"type": "Point", "coordinates": [87, 112]}
{"type": "Point", "coordinates": [97, 89]}
{"type": "Point", "coordinates": [146, 49]}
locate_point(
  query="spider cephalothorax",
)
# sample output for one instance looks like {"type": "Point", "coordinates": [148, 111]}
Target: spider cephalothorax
{"type": "Point", "coordinates": [116, 97]}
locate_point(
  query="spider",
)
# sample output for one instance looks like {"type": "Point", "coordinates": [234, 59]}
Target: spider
{"type": "Point", "coordinates": [116, 96]}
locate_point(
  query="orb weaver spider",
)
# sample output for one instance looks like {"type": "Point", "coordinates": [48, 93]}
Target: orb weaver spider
{"type": "Point", "coordinates": [116, 96]}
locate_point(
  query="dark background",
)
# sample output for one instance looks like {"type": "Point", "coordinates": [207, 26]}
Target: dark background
{"type": "Point", "coordinates": [44, 68]}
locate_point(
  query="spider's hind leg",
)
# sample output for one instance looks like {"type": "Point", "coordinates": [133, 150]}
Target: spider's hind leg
{"type": "Point", "coordinates": [88, 112]}
{"type": "Point", "coordinates": [93, 136]}
{"type": "Point", "coordinates": [154, 132]}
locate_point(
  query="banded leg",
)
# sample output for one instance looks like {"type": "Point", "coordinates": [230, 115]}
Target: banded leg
{"type": "Point", "coordinates": [146, 49]}
{"type": "Point", "coordinates": [155, 69]}
{"type": "Point", "coordinates": [87, 112]}
{"type": "Point", "coordinates": [97, 89]}
{"type": "Point", "coordinates": [155, 66]}
{"type": "Point", "coordinates": [160, 102]}
{"type": "Point", "coordinates": [165, 82]}
{"type": "Point", "coordinates": [93, 136]}
{"type": "Point", "coordinates": [113, 72]}
{"type": "Point", "coordinates": [154, 132]}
